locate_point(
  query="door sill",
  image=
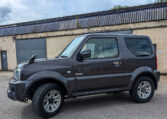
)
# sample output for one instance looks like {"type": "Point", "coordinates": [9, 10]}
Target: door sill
{"type": "Point", "coordinates": [83, 93]}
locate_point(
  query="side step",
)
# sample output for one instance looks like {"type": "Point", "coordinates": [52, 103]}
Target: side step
{"type": "Point", "coordinates": [98, 91]}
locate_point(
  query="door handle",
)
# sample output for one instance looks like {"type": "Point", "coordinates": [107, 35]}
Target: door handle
{"type": "Point", "coordinates": [116, 63]}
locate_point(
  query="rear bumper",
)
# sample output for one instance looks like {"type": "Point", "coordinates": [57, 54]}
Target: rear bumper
{"type": "Point", "coordinates": [157, 76]}
{"type": "Point", "coordinates": [16, 90]}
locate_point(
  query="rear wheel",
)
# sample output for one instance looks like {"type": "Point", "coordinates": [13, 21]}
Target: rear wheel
{"type": "Point", "coordinates": [142, 90]}
{"type": "Point", "coordinates": [48, 100]}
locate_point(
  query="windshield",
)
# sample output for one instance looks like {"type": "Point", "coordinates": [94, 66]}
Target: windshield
{"type": "Point", "coordinates": [69, 50]}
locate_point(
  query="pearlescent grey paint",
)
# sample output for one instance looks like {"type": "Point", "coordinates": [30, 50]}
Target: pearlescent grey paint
{"type": "Point", "coordinates": [89, 76]}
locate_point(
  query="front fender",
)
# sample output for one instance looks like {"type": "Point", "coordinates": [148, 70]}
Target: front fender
{"type": "Point", "coordinates": [140, 71]}
{"type": "Point", "coordinates": [36, 77]}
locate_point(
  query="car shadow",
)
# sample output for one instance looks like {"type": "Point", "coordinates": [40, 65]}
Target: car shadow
{"type": "Point", "coordinates": [28, 113]}
{"type": "Point", "coordinates": [83, 103]}
{"type": "Point", "coordinates": [96, 101]}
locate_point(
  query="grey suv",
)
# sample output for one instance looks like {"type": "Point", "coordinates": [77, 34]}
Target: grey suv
{"type": "Point", "coordinates": [90, 64]}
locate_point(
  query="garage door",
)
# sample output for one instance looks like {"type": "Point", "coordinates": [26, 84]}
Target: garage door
{"type": "Point", "coordinates": [26, 48]}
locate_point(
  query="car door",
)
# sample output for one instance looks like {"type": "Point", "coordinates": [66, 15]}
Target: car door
{"type": "Point", "coordinates": [103, 68]}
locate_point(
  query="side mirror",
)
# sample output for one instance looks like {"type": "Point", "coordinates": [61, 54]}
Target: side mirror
{"type": "Point", "coordinates": [85, 54]}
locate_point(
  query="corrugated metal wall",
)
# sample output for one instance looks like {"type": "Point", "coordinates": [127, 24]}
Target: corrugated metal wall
{"type": "Point", "coordinates": [26, 48]}
{"type": "Point", "coordinates": [105, 19]}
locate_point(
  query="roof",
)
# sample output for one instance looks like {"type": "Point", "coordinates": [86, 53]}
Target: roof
{"type": "Point", "coordinates": [143, 13]}
{"type": "Point", "coordinates": [114, 34]}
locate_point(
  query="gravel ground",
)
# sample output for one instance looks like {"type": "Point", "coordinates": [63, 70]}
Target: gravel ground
{"type": "Point", "coordinates": [106, 106]}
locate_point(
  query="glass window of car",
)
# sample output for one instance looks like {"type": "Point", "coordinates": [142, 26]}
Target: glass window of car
{"type": "Point", "coordinates": [69, 50]}
{"type": "Point", "coordinates": [102, 47]}
{"type": "Point", "coordinates": [139, 46]}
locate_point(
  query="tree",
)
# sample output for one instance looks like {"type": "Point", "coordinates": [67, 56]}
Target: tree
{"type": "Point", "coordinates": [118, 7]}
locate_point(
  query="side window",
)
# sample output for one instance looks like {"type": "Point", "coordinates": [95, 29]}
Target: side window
{"type": "Point", "coordinates": [139, 46]}
{"type": "Point", "coordinates": [102, 47]}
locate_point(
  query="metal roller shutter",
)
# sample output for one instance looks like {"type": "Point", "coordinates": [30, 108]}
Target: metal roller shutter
{"type": "Point", "coordinates": [26, 48]}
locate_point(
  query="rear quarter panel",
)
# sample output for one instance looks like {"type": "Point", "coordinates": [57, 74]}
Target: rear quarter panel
{"type": "Point", "coordinates": [133, 66]}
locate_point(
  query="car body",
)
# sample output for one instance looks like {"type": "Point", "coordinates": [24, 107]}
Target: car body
{"type": "Point", "coordinates": [89, 67]}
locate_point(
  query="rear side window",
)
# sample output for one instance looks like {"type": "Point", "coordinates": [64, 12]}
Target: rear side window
{"type": "Point", "coordinates": [139, 46]}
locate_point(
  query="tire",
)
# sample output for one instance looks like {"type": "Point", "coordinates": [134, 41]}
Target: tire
{"type": "Point", "coordinates": [45, 96]}
{"type": "Point", "coordinates": [141, 91]}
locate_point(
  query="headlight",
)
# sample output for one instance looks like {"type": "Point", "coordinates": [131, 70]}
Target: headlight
{"type": "Point", "coordinates": [17, 73]}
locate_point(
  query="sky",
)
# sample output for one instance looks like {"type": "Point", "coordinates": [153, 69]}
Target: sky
{"type": "Point", "coordinates": [15, 11]}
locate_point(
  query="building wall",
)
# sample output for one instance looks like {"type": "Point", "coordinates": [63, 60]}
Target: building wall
{"type": "Point", "coordinates": [56, 44]}
{"type": "Point", "coordinates": [58, 40]}
{"type": "Point", "coordinates": [159, 37]}
{"type": "Point", "coordinates": [8, 44]}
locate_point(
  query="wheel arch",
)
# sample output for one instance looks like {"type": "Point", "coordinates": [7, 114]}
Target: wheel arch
{"type": "Point", "coordinates": [147, 74]}
{"type": "Point", "coordinates": [35, 85]}
{"type": "Point", "coordinates": [40, 78]}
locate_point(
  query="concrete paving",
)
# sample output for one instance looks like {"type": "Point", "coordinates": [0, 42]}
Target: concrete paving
{"type": "Point", "coordinates": [105, 106]}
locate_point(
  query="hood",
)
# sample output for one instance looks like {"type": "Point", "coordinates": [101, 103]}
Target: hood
{"type": "Point", "coordinates": [20, 66]}
{"type": "Point", "coordinates": [58, 65]}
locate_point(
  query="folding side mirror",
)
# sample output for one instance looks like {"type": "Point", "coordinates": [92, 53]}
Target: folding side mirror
{"type": "Point", "coordinates": [84, 54]}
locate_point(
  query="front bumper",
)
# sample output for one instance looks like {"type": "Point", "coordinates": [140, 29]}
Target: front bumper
{"type": "Point", "coordinates": [16, 90]}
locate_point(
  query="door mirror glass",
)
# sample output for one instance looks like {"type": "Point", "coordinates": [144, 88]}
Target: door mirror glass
{"type": "Point", "coordinates": [85, 53]}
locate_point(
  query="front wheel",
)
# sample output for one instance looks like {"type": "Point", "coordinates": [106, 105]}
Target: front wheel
{"type": "Point", "coordinates": [142, 90]}
{"type": "Point", "coordinates": [48, 100]}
